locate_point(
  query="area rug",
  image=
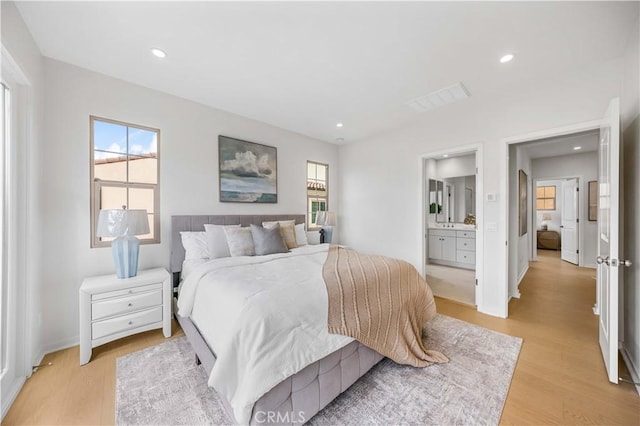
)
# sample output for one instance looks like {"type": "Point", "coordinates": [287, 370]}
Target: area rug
{"type": "Point", "coordinates": [162, 385]}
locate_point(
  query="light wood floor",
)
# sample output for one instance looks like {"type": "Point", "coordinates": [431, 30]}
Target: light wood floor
{"type": "Point", "coordinates": [559, 378]}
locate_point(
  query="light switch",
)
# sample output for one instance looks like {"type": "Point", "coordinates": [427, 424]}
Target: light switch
{"type": "Point", "coordinates": [492, 197]}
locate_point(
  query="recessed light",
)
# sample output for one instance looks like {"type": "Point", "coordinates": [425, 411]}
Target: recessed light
{"type": "Point", "coordinates": [507, 58]}
{"type": "Point", "coordinates": [159, 52]}
{"type": "Point", "coordinates": [339, 125]}
{"type": "Point", "coordinates": [576, 148]}
{"type": "Point", "coordinates": [445, 155]}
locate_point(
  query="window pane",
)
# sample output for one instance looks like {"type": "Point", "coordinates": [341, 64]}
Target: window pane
{"type": "Point", "coordinates": [540, 204]}
{"type": "Point", "coordinates": [109, 139]}
{"type": "Point", "coordinates": [311, 171]}
{"type": "Point", "coordinates": [150, 234]}
{"type": "Point", "coordinates": [540, 192]}
{"type": "Point", "coordinates": [143, 142]}
{"type": "Point", "coordinates": [111, 168]}
{"type": "Point", "coordinates": [143, 169]}
{"type": "Point", "coordinates": [321, 173]}
{"type": "Point", "coordinates": [112, 197]}
{"type": "Point", "coordinates": [550, 192]}
{"type": "Point", "coordinates": [141, 198]}
{"type": "Point", "coordinates": [550, 204]}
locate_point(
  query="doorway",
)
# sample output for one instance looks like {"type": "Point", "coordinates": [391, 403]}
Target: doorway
{"type": "Point", "coordinates": [452, 188]}
{"type": "Point", "coordinates": [557, 172]}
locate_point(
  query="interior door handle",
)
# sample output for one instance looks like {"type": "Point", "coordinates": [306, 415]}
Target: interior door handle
{"type": "Point", "coordinates": [600, 260]}
{"type": "Point", "coordinates": [626, 263]}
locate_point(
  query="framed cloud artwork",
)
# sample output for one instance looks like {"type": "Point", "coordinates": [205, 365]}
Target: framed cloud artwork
{"type": "Point", "coordinates": [247, 171]}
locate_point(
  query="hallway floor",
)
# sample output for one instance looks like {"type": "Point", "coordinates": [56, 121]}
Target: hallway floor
{"type": "Point", "coordinates": [560, 377]}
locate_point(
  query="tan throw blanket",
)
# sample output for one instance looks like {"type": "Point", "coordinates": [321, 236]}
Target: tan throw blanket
{"type": "Point", "coordinates": [381, 302]}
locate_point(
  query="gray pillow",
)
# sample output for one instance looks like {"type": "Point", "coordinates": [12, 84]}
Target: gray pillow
{"type": "Point", "coordinates": [268, 241]}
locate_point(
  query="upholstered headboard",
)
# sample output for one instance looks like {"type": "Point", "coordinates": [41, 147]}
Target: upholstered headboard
{"type": "Point", "coordinates": [197, 222]}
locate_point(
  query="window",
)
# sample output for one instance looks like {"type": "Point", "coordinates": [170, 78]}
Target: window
{"type": "Point", "coordinates": [317, 191]}
{"type": "Point", "coordinates": [124, 172]}
{"type": "Point", "coordinates": [546, 198]}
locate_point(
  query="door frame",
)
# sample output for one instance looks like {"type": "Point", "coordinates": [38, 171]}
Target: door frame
{"type": "Point", "coordinates": [584, 126]}
{"type": "Point", "coordinates": [19, 219]}
{"type": "Point", "coordinates": [581, 194]}
{"type": "Point", "coordinates": [473, 148]}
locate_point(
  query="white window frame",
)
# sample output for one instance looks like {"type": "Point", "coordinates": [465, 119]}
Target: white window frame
{"type": "Point", "coordinates": [311, 226]}
{"type": "Point", "coordinates": [96, 185]}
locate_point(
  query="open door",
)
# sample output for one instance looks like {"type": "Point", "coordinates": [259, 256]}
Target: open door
{"type": "Point", "coordinates": [609, 265]}
{"type": "Point", "coordinates": [569, 221]}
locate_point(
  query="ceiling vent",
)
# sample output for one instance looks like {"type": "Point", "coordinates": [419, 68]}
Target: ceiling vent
{"type": "Point", "coordinates": [439, 98]}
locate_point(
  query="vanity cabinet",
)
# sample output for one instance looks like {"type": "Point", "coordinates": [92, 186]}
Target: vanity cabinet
{"type": "Point", "coordinates": [453, 247]}
{"type": "Point", "coordinates": [442, 245]}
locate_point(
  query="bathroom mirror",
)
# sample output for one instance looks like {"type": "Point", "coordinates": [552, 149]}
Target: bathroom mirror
{"type": "Point", "coordinates": [452, 199]}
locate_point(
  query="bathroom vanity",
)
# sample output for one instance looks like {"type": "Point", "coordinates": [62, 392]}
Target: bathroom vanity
{"type": "Point", "coordinates": [452, 246]}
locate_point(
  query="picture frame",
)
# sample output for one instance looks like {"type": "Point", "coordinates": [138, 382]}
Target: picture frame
{"type": "Point", "coordinates": [593, 201]}
{"type": "Point", "coordinates": [247, 171]}
{"type": "Point", "coordinates": [522, 201]}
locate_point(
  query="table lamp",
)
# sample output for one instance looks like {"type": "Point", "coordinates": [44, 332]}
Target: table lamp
{"type": "Point", "coordinates": [124, 225]}
{"type": "Point", "coordinates": [545, 218]}
{"type": "Point", "coordinates": [327, 220]}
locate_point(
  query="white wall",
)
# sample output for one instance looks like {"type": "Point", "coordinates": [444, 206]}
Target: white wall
{"type": "Point", "coordinates": [554, 223]}
{"type": "Point", "coordinates": [188, 176]}
{"type": "Point", "coordinates": [585, 166]}
{"type": "Point", "coordinates": [520, 252]}
{"type": "Point", "coordinates": [456, 166]}
{"type": "Point", "coordinates": [19, 44]}
{"type": "Point", "coordinates": [631, 162]}
{"type": "Point", "coordinates": [383, 173]}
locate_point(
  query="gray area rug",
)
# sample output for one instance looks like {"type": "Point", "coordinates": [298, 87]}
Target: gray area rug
{"type": "Point", "coordinates": [162, 385]}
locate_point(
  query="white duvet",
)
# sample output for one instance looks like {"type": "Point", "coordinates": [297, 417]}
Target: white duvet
{"type": "Point", "coordinates": [265, 317]}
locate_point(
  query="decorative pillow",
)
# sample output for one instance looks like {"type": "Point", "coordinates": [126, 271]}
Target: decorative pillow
{"type": "Point", "coordinates": [301, 235]}
{"type": "Point", "coordinates": [195, 245]}
{"type": "Point", "coordinates": [287, 230]}
{"type": "Point", "coordinates": [268, 240]}
{"type": "Point", "coordinates": [240, 241]}
{"type": "Point", "coordinates": [217, 240]}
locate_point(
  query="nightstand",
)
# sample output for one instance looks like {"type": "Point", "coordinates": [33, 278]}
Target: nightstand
{"type": "Point", "coordinates": [112, 308]}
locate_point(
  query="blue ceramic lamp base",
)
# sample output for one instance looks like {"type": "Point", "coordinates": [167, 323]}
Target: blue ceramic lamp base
{"type": "Point", "coordinates": [125, 255]}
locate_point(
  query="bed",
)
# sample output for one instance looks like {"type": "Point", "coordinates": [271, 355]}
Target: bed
{"type": "Point", "coordinates": [301, 395]}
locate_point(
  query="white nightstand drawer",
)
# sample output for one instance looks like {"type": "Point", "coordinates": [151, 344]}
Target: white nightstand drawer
{"type": "Point", "coordinates": [120, 305]}
{"type": "Point", "coordinates": [124, 292]}
{"type": "Point", "coordinates": [466, 244]}
{"type": "Point", "coordinates": [463, 256]}
{"type": "Point", "coordinates": [126, 322]}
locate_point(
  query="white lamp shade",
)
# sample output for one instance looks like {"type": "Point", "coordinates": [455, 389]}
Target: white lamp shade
{"type": "Point", "coordinates": [122, 222]}
{"type": "Point", "coordinates": [330, 219]}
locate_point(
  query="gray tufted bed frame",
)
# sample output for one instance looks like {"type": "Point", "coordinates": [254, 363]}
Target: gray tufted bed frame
{"type": "Point", "coordinates": [302, 395]}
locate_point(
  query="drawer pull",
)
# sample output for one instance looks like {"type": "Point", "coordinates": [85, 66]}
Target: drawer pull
{"type": "Point", "coordinates": [130, 291]}
{"type": "Point", "coordinates": [130, 304]}
{"type": "Point", "coordinates": [130, 322]}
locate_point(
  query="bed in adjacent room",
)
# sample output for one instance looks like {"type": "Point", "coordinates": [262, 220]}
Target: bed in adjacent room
{"type": "Point", "coordinates": [259, 323]}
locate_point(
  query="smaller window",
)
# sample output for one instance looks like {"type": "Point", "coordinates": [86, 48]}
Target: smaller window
{"type": "Point", "coordinates": [546, 198]}
{"type": "Point", "coordinates": [317, 191]}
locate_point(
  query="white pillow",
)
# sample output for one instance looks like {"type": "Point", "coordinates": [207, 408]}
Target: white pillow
{"type": "Point", "coordinates": [240, 241]}
{"type": "Point", "coordinates": [195, 245]}
{"type": "Point", "coordinates": [301, 235]}
{"type": "Point", "coordinates": [217, 240]}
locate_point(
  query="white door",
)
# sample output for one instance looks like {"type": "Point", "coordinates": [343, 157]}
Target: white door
{"type": "Point", "coordinates": [609, 265]}
{"type": "Point", "coordinates": [569, 221]}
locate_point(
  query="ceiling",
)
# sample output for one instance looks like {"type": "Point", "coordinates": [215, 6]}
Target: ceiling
{"type": "Point", "coordinates": [554, 147]}
{"type": "Point", "coordinates": [305, 66]}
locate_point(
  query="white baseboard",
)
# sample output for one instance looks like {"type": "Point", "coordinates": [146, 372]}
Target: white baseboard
{"type": "Point", "coordinates": [633, 370]}
{"type": "Point", "coordinates": [61, 344]}
{"type": "Point", "coordinates": [516, 293]}
{"type": "Point", "coordinates": [590, 265]}
{"type": "Point", "coordinates": [15, 388]}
